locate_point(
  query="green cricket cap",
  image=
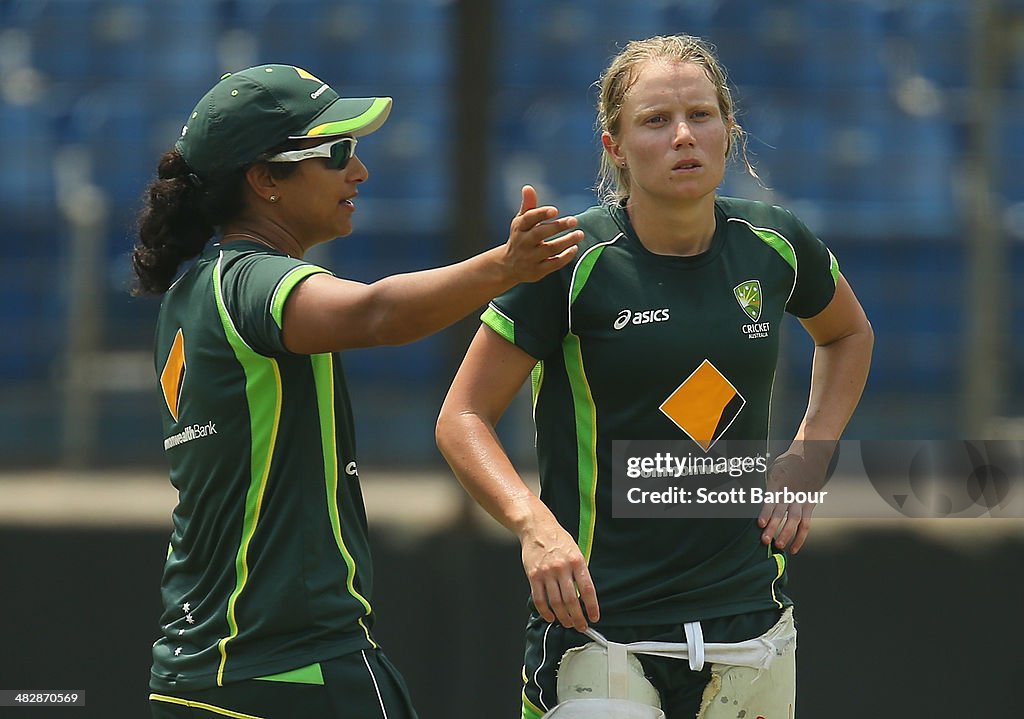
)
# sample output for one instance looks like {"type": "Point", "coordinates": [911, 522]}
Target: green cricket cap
{"type": "Point", "coordinates": [249, 112]}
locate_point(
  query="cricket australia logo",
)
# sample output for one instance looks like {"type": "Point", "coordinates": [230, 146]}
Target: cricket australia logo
{"type": "Point", "coordinates": [748, 295]}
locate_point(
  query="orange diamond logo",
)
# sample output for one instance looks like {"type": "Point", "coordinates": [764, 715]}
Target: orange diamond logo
{"type": "Point", "coordinates": [704, 405]}
{"type": "Point", "coordinates": [173, 374]}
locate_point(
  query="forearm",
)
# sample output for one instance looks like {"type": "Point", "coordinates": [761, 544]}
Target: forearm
{"type": "Point", "coordinates": [838, 376]}
{"type": "Point", "coordinates": [407, 307]}
{"type": "Point", "coordinates": [327, 314]}
{"type": "Point", "coordinates": [490, 375]}
{"type": "Point", "coordinates": [474, 452]}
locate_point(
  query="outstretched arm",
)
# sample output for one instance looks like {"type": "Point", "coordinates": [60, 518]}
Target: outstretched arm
{"type": "Point", "coordinates": [843, 340]}
{"type": "Point", "coordinates": [491, 374]}
{"type": "Point", "coordinates": [326, 314]}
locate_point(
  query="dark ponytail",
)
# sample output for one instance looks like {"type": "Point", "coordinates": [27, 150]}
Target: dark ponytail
{"type": "Point", "coordinates": [180, 214]}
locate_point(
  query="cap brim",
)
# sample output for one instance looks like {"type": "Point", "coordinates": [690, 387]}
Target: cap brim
{"type": "Point", "coordinates": [349, 116]}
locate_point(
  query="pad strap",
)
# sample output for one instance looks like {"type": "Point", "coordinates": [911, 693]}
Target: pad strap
{"type": "Point", "coordinates": [756, 653]}
{"type": "Point", "coordinates": [618, 677]}
{"type": "Point", "coordinates": [695, 641]}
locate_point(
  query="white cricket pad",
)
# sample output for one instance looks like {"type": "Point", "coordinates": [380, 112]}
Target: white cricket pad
{"type": "Point", "coordinates": [766, 692]}
{"type": "Point", "coordinates": [595, 671]}
{"type": "Point", "coordinates": [755, 677]}
{"type": "Point", "coordinates": [604, 709]}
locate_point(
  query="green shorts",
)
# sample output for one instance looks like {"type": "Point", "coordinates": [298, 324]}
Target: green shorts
{"type": "Point", "coordinates": [680, 687]}
{"type": "Point", "coordinates": [360, 685]}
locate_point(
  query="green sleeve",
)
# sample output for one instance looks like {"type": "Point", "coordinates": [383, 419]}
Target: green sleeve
{"type": "Point", "coordinates": [256, 286]}
{"type": "Point", "coordinates": [533, 316]}
{"type": "Point", "coordinates": [817, 272]}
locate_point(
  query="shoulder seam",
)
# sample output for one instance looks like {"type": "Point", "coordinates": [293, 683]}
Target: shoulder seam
{"type": "Point", "coordinates": [796, 259]}
{"type": "Point", "coordinates": [310, 269]}
{"type": "Point", "coordinates": [572, 279]}
{"type": "Point", "coordinates": [498, 310]}
{"type": "Point", "coordinates": [219, 299]}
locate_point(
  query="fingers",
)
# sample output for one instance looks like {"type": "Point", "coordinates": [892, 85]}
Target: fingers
{"type": "Point", "coordinates": [767, 513]}
{"type": "Point", "coordinates": [529, 199]}
{"type": "Point", "coordinates": [801, 534]}
{"type": "Point", "coordinates": [558, 602]}
{"type": "Point", "coordinates": [789, 524]}
{"type": "Point", "coordinates": [564, 246]}
{"type": "Point", "coordinates": [557, 262]}
{"type": "Point", "coordinates": [566, 594]}
{"type": "Point", "coordinates": [771, 518]}
{"type": "Point", "coordinates": [530, 215]}
{"type": "Point", "coordinates": [540, 600]}
{"type": "Point", "coordinates": [588, 595]}
{"type": "Point", "coordinates": [531, 255]}
{"type": "Point", "coordinates": [784, 524]}
{"type": "Point", "coordinates": [560, 580]}
{"type": "Point", "coordinates": [565, 603]}
{"type": "Point", "coordinates": [539, 241]}
{"type": "Point", "coordinates": [543, 220]}
{"type": "Point", "coordinates": [578, 595]}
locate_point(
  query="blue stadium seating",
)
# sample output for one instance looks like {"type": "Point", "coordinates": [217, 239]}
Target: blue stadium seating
{"type": "Point", "coordinates": [565, 45]}
{"type": "Point", "coordinates": [855, 109]}
{"type": "Point", "coordinates": [1011, 139]}
{"type": "Point", "coordinates": [64, 35]}
{"type": "Point", "coordinates": [931, 37]}
{"type": "Point", "coordinates": [179, 53]}
{"type": "Point", "coordinates": [26, 146]}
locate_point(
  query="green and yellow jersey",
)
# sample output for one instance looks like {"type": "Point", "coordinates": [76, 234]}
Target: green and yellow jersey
{"type": "Point", "coordinates": [268, 568]}
{"type": "Point", "coordinates": [638, 346]}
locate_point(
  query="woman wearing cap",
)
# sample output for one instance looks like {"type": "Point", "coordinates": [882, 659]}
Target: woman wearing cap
{"type": "Point", "coordinates": [665, 328]}
{"type": "Point", "coordinates": [267, 582]}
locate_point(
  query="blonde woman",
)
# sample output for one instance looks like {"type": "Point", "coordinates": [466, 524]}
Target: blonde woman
{"type": "Point", "coordinates": [664, 327]}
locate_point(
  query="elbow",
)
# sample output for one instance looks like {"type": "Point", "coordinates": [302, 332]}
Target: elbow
{"type": "Point", "coordinates": [859, 333]}
{"type": "Point", "coordinates": [455, 428]}
{"type": "Point", "coordinates": [443, 429]}
{"type": "Point", "coordinates": [867, 334]}
{"type": "Point", "coordinates": [860, 346]}
{"type": "Point", "coordinates": [439, 432]}
{"type": "Point", "coordinates": [444, 425]}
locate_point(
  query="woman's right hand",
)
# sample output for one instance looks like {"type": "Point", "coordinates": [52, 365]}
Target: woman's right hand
{"type": "Point", "coordinates": [559, 578]}
{"type": "Point", "coordinates": [530, 254]}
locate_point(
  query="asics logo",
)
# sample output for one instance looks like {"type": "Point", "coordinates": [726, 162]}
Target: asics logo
{"type": "Point", "coordinates": [640, 317]}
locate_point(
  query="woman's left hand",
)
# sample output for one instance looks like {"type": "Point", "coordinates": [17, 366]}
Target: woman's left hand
{"type": "Point", "coordinates": [787, 524]}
